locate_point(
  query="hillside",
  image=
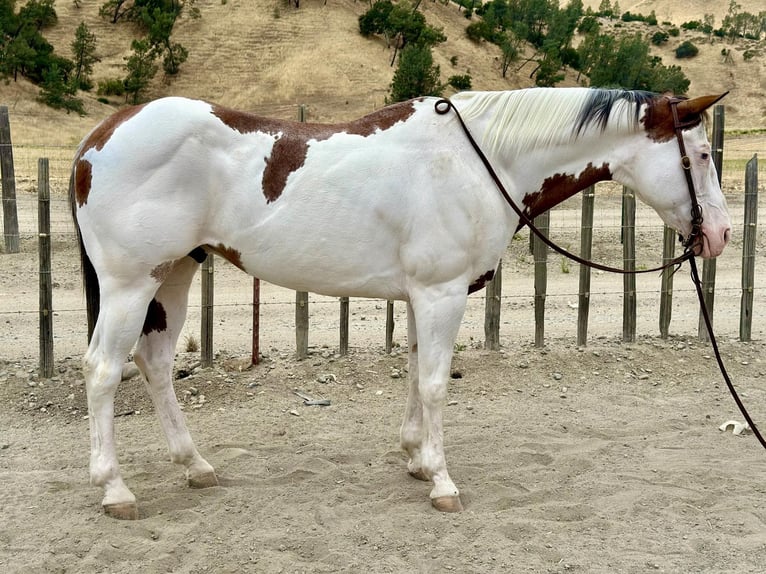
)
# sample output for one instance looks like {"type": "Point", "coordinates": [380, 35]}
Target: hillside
{"type": "Point", "coordinates": [265, 56]}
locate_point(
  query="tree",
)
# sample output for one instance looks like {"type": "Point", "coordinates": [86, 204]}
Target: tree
{"type": "Point", "coordinates": [115, 9]}
{"type": "Point", "coordinates": [141, 69]}
{"type": "Point", "coordinates": [400, 23]}
{"type": "Point", "coordinates": [84, 53]}
{"type": "Point", "coordinates": [56, 92]}
{"type": "Point", "coordinates": [160, 25]}
{"type": "Point", "coordinates": [509, 48]}
{"type": "Point", "coordinates": [39, 13]}
{"type": "Point", "coordinates": [626, 62]}
{"type": "Point", "coordinates": [416, 74]}
{"type": "Point", "coordinates": [157, 18]}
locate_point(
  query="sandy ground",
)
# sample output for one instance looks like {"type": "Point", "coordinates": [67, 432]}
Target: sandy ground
{"type": "Point", "coordinates": [606, 458]}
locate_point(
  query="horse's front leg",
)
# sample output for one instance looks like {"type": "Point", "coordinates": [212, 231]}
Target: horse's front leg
{"type": "Point", "coordinates": [437, 316]}
{"type": "Point", "coordinates": [412, 426]}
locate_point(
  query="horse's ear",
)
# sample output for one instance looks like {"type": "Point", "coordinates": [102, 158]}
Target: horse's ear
{"type": "Point", "coordinates": [695, 106]}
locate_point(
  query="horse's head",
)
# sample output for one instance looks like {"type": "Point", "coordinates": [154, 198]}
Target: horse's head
{"type": "Point", "coordinates": [659, 169]}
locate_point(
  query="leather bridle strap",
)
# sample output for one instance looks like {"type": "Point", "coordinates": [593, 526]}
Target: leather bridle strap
{"type": "Point", "coordinates": [444, 105]}
{"type": "Point", "coordinates": [696, 212]}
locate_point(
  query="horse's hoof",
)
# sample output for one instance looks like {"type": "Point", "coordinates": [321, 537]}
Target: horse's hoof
{"type": "Point", "coordinates": [204, 480]}
{"type": "Point", "coordinates": [447, 504]}
{"type": "Point", "coordinates": [419, 474]}
{"type": "Point", "coordinates": [122, 510]}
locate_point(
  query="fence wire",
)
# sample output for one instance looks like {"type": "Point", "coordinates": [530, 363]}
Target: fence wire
{"type": "Point", "coordinates": [18, 290]}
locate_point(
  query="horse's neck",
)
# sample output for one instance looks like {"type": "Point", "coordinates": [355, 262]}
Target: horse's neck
{"type": "Point", "coordinates": [543, 178]}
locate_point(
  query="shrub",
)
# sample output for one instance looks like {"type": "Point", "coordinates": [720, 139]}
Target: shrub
{"type": "Point", "coordinates": [659, 38]}
{"type": "Point", "coordinates": [111, 87]}
{"type": "Point", "coordinates": [687, 50]}
{"type": "Point", "coordinates": [460, 82]}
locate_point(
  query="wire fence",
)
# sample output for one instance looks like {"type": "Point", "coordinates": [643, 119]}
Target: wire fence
{"type": "Point", "coordinates": [18, 293]}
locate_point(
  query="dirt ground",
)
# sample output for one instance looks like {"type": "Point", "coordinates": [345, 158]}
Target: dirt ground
{"type": "Point", "coordinates": [605, 458]}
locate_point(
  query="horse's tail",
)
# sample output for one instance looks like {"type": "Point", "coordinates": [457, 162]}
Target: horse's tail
{"type": "Point", "coordinates": [89, 277]}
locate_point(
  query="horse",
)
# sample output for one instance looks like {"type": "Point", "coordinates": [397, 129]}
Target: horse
{"type": "Point", "coordinates": [395, 205]}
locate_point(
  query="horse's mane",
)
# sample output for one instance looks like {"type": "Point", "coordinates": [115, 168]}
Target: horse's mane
{"type": "Point", "coordinates": [545, 117]}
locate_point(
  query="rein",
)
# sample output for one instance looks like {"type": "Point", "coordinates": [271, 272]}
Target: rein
{"type": "Point", "coordinates": [444, 105]}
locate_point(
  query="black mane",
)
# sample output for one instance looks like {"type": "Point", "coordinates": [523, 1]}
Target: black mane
{"type": "Point", "coordinates": [600, 102]}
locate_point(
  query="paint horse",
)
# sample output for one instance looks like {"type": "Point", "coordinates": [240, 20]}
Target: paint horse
{"type": "Point", "coordinates": [396, 205]}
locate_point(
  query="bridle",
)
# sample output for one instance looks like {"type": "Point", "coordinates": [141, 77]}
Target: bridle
{"type": "Point", "coordinates": [686, 164]}
{"type": "Point", "coordinates": [444, 105]}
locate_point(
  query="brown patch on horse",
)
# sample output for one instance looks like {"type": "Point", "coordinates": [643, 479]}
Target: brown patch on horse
{"type": "Point", "coordinates": [658, 120]}
{"type": "Point", "coordinates": [292, 138]}
{"type": "Point", "coordinates": [156, 318]}
{"type": "Point", "coordinates": [97, 140]}
{"type": "Point", "coordinates": [288, 155]}
{"type": "Point", "coordinates": [481, 281]}
{"type": "Point", "coordinates": [82, 179]}
{"type": "Point", "coordinates": [561, 186]}
{"type": "Point", "coordinates": [161, 272]}
{"type": "Point", "coordinates": [98, 137]}
{"type": "Point", "coordinates": [231, 255]}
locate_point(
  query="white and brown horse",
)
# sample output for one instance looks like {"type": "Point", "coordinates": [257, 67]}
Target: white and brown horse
{"type": "Point", "coordinates": [396, 205]}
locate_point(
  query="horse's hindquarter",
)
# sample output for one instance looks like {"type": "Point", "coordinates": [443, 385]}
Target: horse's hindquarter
{"type": "Point", "coordinates": [361, 214]}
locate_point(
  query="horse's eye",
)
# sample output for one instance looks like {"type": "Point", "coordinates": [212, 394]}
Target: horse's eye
{"type": "Point", "coordinates": [705, 156]}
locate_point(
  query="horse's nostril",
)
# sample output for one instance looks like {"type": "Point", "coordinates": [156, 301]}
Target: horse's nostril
{"type": "Point", "coordinates": [727, 235]}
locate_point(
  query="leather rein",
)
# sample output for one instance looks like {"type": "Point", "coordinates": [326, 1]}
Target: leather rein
{"type": "Point", "coordinates": [444, 105]}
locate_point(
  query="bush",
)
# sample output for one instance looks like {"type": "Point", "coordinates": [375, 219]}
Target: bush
{"type": "Point", "coordinates": [478, 31]}
{"type": "Point", "coordinates": [111, 87]}
{"type": "Point", "coordinates": [675, 32]}
{"type": "Point", "coordinates": [687, 50]}
{"type": "Point", "coordinates": [660, 38]}
{"type": "Point", "coordinates": [693, 25]}
{"type": "Point", "coordinates": [460, 82]}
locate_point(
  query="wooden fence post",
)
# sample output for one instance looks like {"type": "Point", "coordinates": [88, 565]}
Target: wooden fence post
{"type": "Point", "coordinates": [390, 326]}
{"type": "Point", "coordinates": [302, 324]}
{"type": "Point", "coordinates": [709, 265]}
{"type": "Point", "coordinates": [629, 263]}
{"type": "Point", "coordinates": [542, 222]}
{"type": "Point", "coordinates": [301, 297]}
{"type": "Point", "coordinates": [586, 244]}
{"type": "Point", "coordinates": [493, 296]}
{"type": "Point", "coordinates": [256, 352]}
{"type": "Point", "coordinates": [669, 238]}
{"type": "Point", "coordinates": [208, 297]}
{"type": "Point", "coordinates": [10, 218]}
{"type": "Point", "coordinates": [44, 252]}
{"type": "Point", "coordinates": [748, 249]}
{"type": "Point", "coordinates": [344, 312]}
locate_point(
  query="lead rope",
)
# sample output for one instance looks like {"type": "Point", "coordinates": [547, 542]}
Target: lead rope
{"type": "Point", "coordinates": [709, 325]}
{"type": "Point", "coordinates": [444, 105]}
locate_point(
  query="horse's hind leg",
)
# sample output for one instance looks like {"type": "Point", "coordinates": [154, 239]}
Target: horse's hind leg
{"type": "Point", "coordinates": [154, 355]}
{"type": "Point", "coordinates": [119, 324]}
